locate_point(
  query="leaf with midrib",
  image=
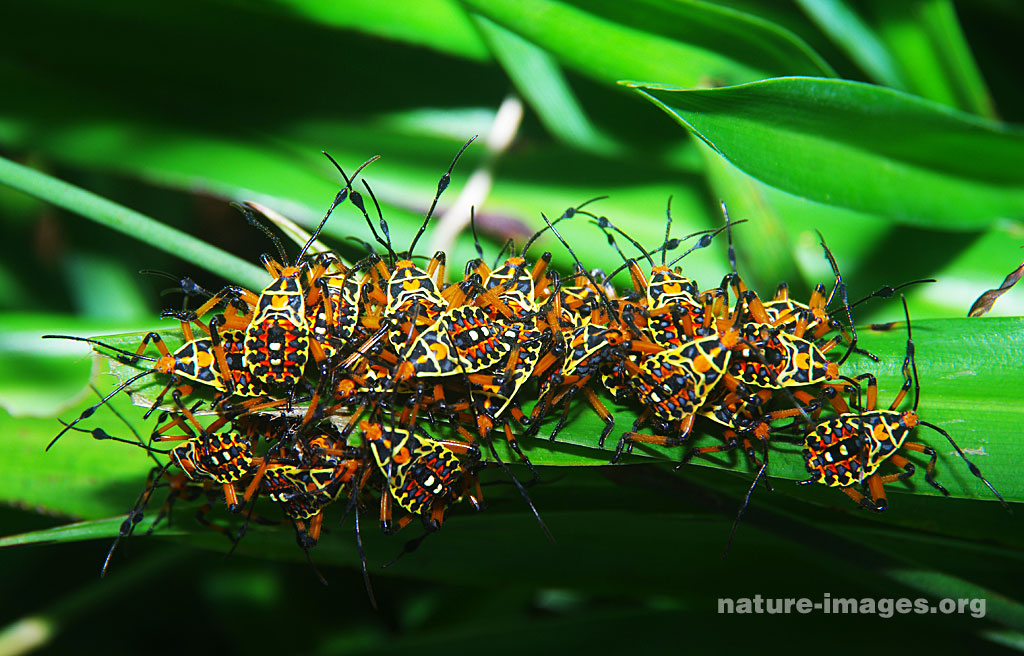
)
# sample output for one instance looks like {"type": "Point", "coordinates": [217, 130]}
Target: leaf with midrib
{"type": "Point", "coordinates": [860, 146]}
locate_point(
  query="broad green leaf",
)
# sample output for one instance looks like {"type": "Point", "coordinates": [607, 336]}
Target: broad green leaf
{"type": "Point", "coordinates": [686, 43]}
{"type": "Point", "coordinates": [40, 378]}
{"type": "Point", "coordinates": [782, 235]}
{"type": "Point", "coordinates": [966, 372]}
{"type": "Point", "coordinates": [966, 368]}
{"type": "Point", "coordinates": [663, 508]}
{"type": "Point", "coordinates": [860, 146]}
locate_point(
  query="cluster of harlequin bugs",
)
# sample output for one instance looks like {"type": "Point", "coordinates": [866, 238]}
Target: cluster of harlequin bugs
{"type": "Point", "coordinates": [320, 387]}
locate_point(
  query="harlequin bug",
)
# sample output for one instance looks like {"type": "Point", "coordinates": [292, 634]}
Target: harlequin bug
{"type": "Point", "coordinates": [423, 475]}
{"type": "Point", "coordinates": [224, 458]}
{"type": "Point", "coordinates": [205, 459]}
{"type": "Point", "coordinates": [277, 335]}
{"type": "Point", "coordinates": [671, 303]}
{"type": "Point", "coordinates": [847, 450]}
{"type": "Point", "coordinates": [304, 491]}
{"type": "Point", "coordinates": [193, 361]}
{"type": "Point", "coordinates": [673, 384]}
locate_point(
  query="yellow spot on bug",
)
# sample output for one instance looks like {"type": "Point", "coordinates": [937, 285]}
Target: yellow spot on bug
{"type": "Point", "coordinates": [204, 359]}
{"type": "Point", "coordinates": [701, 364]}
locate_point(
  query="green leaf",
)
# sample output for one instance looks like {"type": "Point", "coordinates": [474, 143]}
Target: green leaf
{"type": "Point", "coordinates": [966, 372]}
{"type": "Point", "coordinates": [40, 378]}
{"type": "Point", "coordinates": [914, 46]}
{"type": "Point", "coordinates": [967, 369]}
{"type": "Point", "coordinates": [437, 24]}
{"type": "Point", "coordinates": [860, 146]}
{"type": "Point", "coordinates": [540, 81]}
{"type": "Point", "coordinates": [690, 44]}
{"type": "Point", "coordinates": [856, 38]}
{"type": "Point", "coordinates": [110, 214]}
{"type": "Point", "coordinates": [289, 174]}
{"type": "Point", "coordinates": [925, 38]}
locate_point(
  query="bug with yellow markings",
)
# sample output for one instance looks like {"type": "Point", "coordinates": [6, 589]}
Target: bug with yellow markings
{"type": "Point", "coordinates": [846, 451]}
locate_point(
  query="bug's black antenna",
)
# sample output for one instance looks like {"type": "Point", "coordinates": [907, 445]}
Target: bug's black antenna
{"type": "Point", "coordinates": [970, 465]}
{"type": "Point", "coordinates": [664, 248]}
{"type": "Point", "coordinates": [407, 548]}
{"type": "Point", "coordinates": [442, 184]}
{"type": "Point", "coordinates": [91, 409]}
{"type": "Point", "coordinates": [510, 246]}
{"type": "Point", "coordinates": [186, 285]}
{"type": "Point", "coordinates": [138, 438]}
{"type": "Point", "coordinates": [250, 216]}
{"type": "Point", "coordinates": [353, 503]}
{"type": "Point", "coordinates": [743, 507]}
{"type": "Point", "coordinates": [600, 290]}
{"type": "Point", "coordinates": [840, 288]}
{"type": "Point", "coordinates": [100, 434]}
{"type": "Point", "coordinates": [386, 242]}
{"type": "Point", "coordinates": [910, 355]}
{"type": "Point", "coordinates": [132, 356]}
{"type": "Point", "coordinates": [567, 214]}
{"type": "Point", "coordinates": [522, 491]}
{"type": "Point", "coordinates": [668, 229]}
{"type": "Point", "coordinates": [472, 227]}
{"type": "Point", "coordinates": [603, 223]}
{"type": "Point", "coordinates": [887, 291]}
{"type": "Point", "coordinates": [707, 236]}
{"type": "Point", "coordinates": [338, 200]}
{"type": "Point", "coordinates": [135, 514]}
{"type": "Point", "coordinates": [365, 244]}
{"type": "Point", "coordinates": [353, 195]}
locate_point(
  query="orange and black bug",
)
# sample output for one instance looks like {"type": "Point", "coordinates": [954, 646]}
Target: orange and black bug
{"type": "Point", "coordinates": [204, 460]}
{"type": "Point", "coordinates": [192, 361]}
{"type": "Point", "coordinates": [847, 450]}
{"type": "Point", "coordinates": [672, 386]}
{"type": "Point", "coordinates": [334, 320]}
{"type": "Point", "coordinates": [670, 303]}
{"type": "Point", "coordinates": [412, 294]}
{"type": "Point", "coordinates": [588, 344]}
{"type": "Point", "coordinates": [303, 491]}
{"type": "Point", "coordinates": [806, 322]}
{"type": "Point", "coordinates": [277, 335]}
{"type": "Point", "coordinates": [461, 340]}
{"type": "Point", "coordinates": [423, 474]}
{"type": "Point", "coordinates": [782, 359]}
{"type": "Point", "coordinates": [224, 458]}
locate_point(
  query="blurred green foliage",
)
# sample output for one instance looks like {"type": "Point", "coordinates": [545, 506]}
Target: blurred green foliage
{"type": "Point", "coordinates": [893, 132]}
